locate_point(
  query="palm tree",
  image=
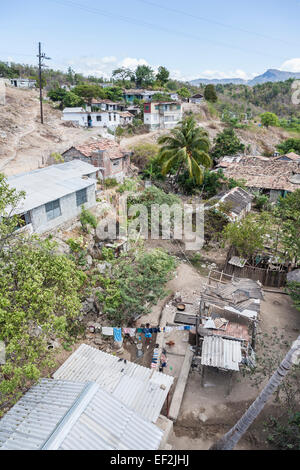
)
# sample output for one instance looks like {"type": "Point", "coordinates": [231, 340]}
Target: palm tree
{"type": "Point", "coordinates": [232, 437]}
{"type": "Point", "coordinates": [185, 147]}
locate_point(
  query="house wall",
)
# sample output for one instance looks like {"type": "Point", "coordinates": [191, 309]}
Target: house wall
{"type": "Point", "coordinates": [110, 120]}
{"type": "Point", "coordinates": [101, 159]}
{"type": "Point", "coordinates": [69, 210]}
{"type": "Point", "coordinates": [166, 117]}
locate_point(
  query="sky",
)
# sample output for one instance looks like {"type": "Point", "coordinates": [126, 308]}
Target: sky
{"type": "Point", "coordinates": [193, 39]}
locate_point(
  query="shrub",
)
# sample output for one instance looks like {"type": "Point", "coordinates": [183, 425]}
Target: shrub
{"type": "Point", "coordinates": [87, 218]}
{"type": "Point", "coordinates": [110, 182]}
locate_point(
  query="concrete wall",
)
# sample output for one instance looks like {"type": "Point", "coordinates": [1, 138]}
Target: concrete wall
{"type": "Point", "coordinates": [108, 119]}
{"type": "Point", "coordinates": [68, 208]}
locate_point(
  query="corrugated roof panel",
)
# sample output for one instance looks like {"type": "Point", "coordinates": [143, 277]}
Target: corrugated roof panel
{"type": "Point", "coordinates": [120, 379]}
{"type": "Point", "coordinates": [51, 183]}
{"type": "Point", "coordinates": [70, 415]}
{"type": "Point", "coordinates": [221, 353]}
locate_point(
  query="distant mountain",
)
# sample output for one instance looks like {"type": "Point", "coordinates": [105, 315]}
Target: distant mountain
{"type": "Point", "coordinates": [218, 81]}
{"type": "Point", "coordinates": [271, 75]}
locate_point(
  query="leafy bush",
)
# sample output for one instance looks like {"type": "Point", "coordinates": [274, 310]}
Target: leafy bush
{"type": "Point", "coordinates": [143, 154]}
{"type": "Point", "coordinates": [285, 436]}
{"type": "Point", "coordinates": [39, 297]}
{"type": "Point", "coordinates": [86, 219]}
{"type": "Point", "coordinates": [128, 185]}
{"type": "Point", "coordinates": [110, 182]}
{"type": "Point", "coordinates": [136, 282]}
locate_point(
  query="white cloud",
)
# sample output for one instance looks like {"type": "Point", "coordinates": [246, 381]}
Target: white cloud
{"type": "Point", "coordinates": [132, 63]}
{"type": "Point", "coordinates": [292, 65]}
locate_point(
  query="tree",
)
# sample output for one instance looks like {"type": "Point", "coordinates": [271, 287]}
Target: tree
{"type": "Point", "coordinates": [89, 91]}
{"type": "Point", "coordinates": [70, 76]}
{"type": "Point", "coordinates": [184, 93]}
{"type": "Point", "coordinates": [10, 200]}
{"type": "Point", "coordinates": [210, 93]}
{"type": "Point", "coordinates": [186, 147]}
{"type": "Point", "coordinates": [289, 145]}
{"type": "Point", "coordinates": [57, 94]}
{"type": "Point", "coordinates": [227, 143]}
{"type": "Point", "coordinates": [162, 75]}
{"type": "Point", "coordinates": [161, 97]}
{"type": "Point", "coordinates": [71, 100]}
{"type": "Point", "coordinates": [287, 213]}
{"type": "Point", "coordinates": [39, 298]}
{"type": "Point", "coordinates": [269, 119]}
{"type": "Point", "coordinates": [123, 74]}
{"type": "Point", "coordinates": [247, 235]}
{"type": "Point", "coordinates": [143, 153]}
{"type": "Point", "coordinates": [232, 437]}
{"type": "Point", "coordinates": [144, 76]}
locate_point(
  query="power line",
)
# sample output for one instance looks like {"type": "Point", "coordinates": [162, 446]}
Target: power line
{"type": "Point", "coordinates": [42, 56]}
{"type": "Point", "coordinates": [209, 20]}
{"type": "Point", "coordinates": [153, 26]}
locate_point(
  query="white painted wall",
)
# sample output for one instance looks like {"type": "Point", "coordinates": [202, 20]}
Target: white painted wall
{"type": "Point", "coordinates": [110, 120]}
{"type": "Point", "coordinates": [69, 210]}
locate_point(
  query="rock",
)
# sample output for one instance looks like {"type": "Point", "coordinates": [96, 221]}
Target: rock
{"type": "Point", "coordinates": [103, 267]}
{"type": "Point", "coordinates": [61, 248]}
{"type": "Point", "coordinates": [89, 260]}
{"type": "Point", "coordinates": [88, 306]}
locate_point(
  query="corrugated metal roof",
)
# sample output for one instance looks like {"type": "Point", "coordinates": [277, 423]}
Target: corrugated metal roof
{"type": "Point", "coordinates": [140, 388]}
{"type": "Point", "coordinates": [221, 353]}
{"type": "Point", "coordinates": [51, 183]}
{"type": "Point", "coordinates": [75, 416]}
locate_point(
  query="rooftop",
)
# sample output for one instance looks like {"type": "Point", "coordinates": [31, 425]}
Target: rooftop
{"type": "Point", "coordinates": [238, 198]}
{"type": "Point", "coordinates": [263, 172]}
{"type": "Point", "coordinates": [240, 296]}
{"type": "Point", "coordinates": [141, 389]}
{"type": "Point", "coordinates": [113, 148]}
{"type": "Point", "coordinates": [221, 353]}
{"type": "Point", "coordinates": [51, 183]}
{"type": "Point", "coordinates": [66, 415]}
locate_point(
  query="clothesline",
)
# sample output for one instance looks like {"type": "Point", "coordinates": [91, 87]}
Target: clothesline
{"type": "Point", "coordinates": [118, 333]}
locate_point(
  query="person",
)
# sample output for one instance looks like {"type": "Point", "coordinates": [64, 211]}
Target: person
{"type": "Point", "coordinates": [148, 334]}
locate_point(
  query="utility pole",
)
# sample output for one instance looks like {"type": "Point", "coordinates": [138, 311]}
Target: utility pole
{"type": "Point", "coordinates": [41, 56]}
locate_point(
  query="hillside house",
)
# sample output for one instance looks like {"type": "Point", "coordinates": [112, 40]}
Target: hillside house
{"type": "Point", "coordinates": [107, 119]}
{"type": "Point", "coordinates": [162, 115]}
{"type": "Point", "coordinates": [105, 105]}
{"type": "Point", "coordinates": [54, 194]}
{"type": "Point", "coordinates": [196, 99]}
{"type": "Point", "coordinates": [139, 94]}
{"type": "Point", "coordinates": [271, 176]}
{"type": "Point", "coordinates": [23, 82]}
{"type": "Point", "coordinates": [237, 202]}
{"type": "Point", "coordinates": [105, 154]}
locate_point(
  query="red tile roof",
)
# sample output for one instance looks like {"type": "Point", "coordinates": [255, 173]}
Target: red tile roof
{"type": "Point", "coordinates": [114, 150]}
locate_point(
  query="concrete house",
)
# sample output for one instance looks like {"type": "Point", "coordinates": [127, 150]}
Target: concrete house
{"type": "Point", "coordinates": [23, 82]}
{"type": "Point", "coordinates": [105, 105]}
{"type": "Point", "coordinates": [139, 94]}
{"type": "Point", "coordinates": [108, 119]}
{"type": "Point", "coordinates": [104, 154]}
{"type": "Point", "coordinates": [196, 99]}
{"type": "Point", "coordinates": [162, 115]}
{"type": "Point", "coordinates": [55, 194]}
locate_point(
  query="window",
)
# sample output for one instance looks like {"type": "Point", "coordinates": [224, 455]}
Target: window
{"type": "Point", "coordinates": [109, 116]}
{"type": "Point", "coordinates": [53, 209]}
{"type": "Point", "coordinates": [81, 197]}
{"type": "Point", "coordinates": [115, 117]}
{"type": "Point", "coordinates": [99, 118]}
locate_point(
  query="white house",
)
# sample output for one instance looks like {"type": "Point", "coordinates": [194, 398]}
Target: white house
{"type": "Point", "coordinates": [109, 119]}
{"type": "Point", "coordinates": [196, 99]}
{"type": "Point", "coordinates": [162, 115]}
{"type": "Point", "coordinates": [55, 194]}
{"type": "Point", "coordinates": [23, 82]}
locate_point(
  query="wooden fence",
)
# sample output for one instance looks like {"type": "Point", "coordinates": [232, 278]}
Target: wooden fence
{"type": "Point", "coordinates": [268, 277]}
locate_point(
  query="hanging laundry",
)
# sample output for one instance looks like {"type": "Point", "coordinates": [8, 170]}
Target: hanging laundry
{"type": "Point", "coordinates": [126, 331]}
{"type": "Point", "coordinates": [107, 330]}
{"type": "Point", "coordinates": [132, 332]}
{"type": "Point", "coordinates": [118, 334]}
